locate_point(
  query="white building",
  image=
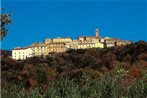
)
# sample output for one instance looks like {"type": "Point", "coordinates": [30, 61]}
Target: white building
{"type": "Point", "coordinates": [86, 45]}
{"type": "Point", "coordinates": [21, 53]}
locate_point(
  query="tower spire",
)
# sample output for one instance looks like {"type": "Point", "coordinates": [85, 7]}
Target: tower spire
{"type": "Point", "coordinates": [97, 32]}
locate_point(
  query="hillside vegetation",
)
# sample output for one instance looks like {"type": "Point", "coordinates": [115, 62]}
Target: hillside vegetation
{"type": "Point", "coordinates": [116, 72]}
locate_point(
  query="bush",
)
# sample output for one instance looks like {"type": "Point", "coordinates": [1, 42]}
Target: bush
{"type": "Point", "coordinates": [108, 86]}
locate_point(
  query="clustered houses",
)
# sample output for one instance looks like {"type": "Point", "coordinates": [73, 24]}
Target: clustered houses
{"type": "Point", "coordinates": [62, 44]}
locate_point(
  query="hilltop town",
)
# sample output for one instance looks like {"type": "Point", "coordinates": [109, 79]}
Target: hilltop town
{"type": "Point", "coordinates": [62, 44]}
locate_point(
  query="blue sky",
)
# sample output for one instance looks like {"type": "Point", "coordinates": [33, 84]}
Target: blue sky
{"type": "Point", "coordinates": [35, 20]}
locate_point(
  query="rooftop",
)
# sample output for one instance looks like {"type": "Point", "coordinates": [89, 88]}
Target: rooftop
{"type": "Point", "coordinates": [99, 37]}
{"type": "Point", "coordinates": [20, 48]}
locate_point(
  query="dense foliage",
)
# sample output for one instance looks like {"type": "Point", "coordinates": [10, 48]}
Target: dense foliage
{"type": "Point", "coordinates": [4, 21]}
{"type": "Point", "coordinates": [116, 72]}
{"type": "Point", "coordinates": [98, 88]}
{"type": "Point", "coordinates": [5, 53]}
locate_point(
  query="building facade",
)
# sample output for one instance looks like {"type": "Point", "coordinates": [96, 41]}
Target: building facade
{"type": "Point", "coordinates": [86, 45]}
{"type": "Point", "coordinates": [39, 49]}
{"type": "Point", "coordinates": [62, 39]}
{"type": "Point", "coordinates": [73, 45]}
{"type": "Point", "coordinates": [48, 41]}
{"type": "Point", "coordinates": [56, 47]}
{"type": "Point", "coordinates": [22, 53]}
{"type": "Point", "coordinates": [62, 44]}
{"type": "Point", "coordinates": [110, 42]}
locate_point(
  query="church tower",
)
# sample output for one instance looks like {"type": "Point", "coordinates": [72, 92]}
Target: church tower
{"type": "Point", "coordinates": [97, 32]}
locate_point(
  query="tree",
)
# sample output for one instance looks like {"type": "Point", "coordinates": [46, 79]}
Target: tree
{"type": "Point", "coordinates": [4, 21]}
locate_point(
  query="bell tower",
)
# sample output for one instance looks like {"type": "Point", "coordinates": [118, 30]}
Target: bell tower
{"type": "Point", "coordinates": [97, 32]}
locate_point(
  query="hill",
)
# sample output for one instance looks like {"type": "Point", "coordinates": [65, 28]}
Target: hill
{"type": "Point", "coordinates": [126, 62]}
{"type": "Point", "coordinates": [5, 53]}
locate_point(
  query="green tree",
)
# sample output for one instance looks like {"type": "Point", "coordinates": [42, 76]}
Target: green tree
{"type": "Point", "coordinates": [4, 21]}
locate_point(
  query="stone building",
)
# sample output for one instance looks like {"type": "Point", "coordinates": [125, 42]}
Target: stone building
{"type": "Point", "coordinates": [110, 42]}
{"type": "Point", "coordinates": [56, 47]}
{"type": "Point", "coordinates": [39, 49]}
{"type": "Point", "coordinates": [86, 45]}
{"type": "Point", "coordinates": [48, 41]}
{"type": "Point", "coordinates": [21, 53]}
{"type": "Point", "coordinates": [62, 39]}
{"type": "Point", "coordinates": [62, 44]}
{"type": "Point", "coordinates": [73, 44]}
{"type": "Point", "coordinates": [99, 45]}
{"type": "Point", "coordinates": [90, 39]}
